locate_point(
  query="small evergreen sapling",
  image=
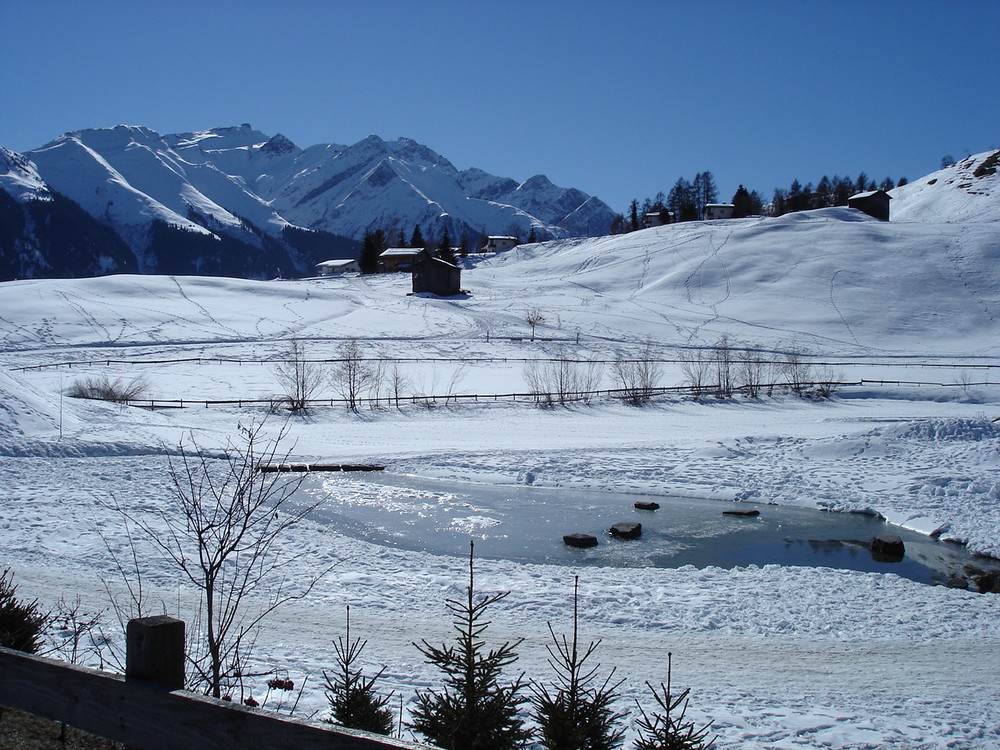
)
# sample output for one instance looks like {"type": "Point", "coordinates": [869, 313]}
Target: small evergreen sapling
{"type": "Point", "coordinates": [21, 624]}
{"type": "Point", "coordinates": [475, 711]}
{"type": "Point", "coordinates": [353, 701]}
{"type": "Point", "coordinates": [577, 713]}
{"type": "Point", "coordinates": [665, 728]}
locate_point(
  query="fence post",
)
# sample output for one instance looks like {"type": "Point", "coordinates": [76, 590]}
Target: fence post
{"type": "Point", "coordinates": [155, 650]}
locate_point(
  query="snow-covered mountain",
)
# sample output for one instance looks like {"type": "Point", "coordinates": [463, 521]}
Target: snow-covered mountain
{"type": "Point", "coordinates": [239, 202]}
{"type": "Point", "coordinates": [44, 233]}
{"type": "Point", "coordinates": [378, 184]}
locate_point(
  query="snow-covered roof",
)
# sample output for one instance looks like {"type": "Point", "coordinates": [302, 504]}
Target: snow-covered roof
{"type": "Point", "coordinates": [869, 194]}
{"type": "Point", "coordinates": [335, 263]}
{"type": "Point", "coordinates": [399, 251]}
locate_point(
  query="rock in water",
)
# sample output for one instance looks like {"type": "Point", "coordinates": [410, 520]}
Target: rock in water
{"type": "Point", "coordinates": [580, 540]}
{"type": "Point", "coordinates": [626, 530]}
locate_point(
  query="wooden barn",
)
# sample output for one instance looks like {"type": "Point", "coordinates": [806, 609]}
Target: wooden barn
{"type": "Point", "coordinates": [431, 274]}
{"type": "Point", "coordinates": [875, 203]}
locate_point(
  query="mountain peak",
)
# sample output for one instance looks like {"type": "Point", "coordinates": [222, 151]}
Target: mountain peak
{"type": "Point", "coordinates": [278, 145]}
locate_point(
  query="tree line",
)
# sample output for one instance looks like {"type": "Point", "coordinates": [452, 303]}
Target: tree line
{"type": "Point", "coordinates": [687, 198]}
{"type": "Point", "coordinates": [445, 247]}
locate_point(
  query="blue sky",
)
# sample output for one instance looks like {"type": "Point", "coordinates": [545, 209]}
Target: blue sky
{"type": "Point", "coordinates": [617, 99]}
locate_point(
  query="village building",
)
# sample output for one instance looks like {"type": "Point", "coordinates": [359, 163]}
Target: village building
{"type": "Point", "coordinates": [436, 276]}
{"type": "Point", "coordinates": [658, 218]}
{"type": "Point", "coordinates": [498, 242]}
{"type": "Point", "coordinates": [338, 266]}
{"type": "Point", "coordinates": [397, 259]}
{"type": "Point", "coordinates": [875, 203]}
{"type": "Point", "coordinates": [719, 211]}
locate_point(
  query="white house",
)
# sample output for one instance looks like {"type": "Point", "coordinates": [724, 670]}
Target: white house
{"type": "Point", "coordinates": [497, 242]}
{"type": "Point", "coordinates": [719, 210]}
{"type": "Point", "coordinates": [340, 265]}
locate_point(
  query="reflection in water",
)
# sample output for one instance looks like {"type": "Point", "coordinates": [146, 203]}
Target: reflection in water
{"type": "Point", "coordinates": [528, 524]}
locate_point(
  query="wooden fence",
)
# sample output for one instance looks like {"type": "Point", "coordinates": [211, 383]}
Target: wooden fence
{"type": "Point", "coordinates": [539, 397]}
{"type": "Point", "coordinates": [143, 714]}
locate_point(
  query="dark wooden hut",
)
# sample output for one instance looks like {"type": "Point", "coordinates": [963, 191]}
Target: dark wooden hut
{"type": "Point", "coordinates": [431, 274]}
{"type": "Point", "coordinates": [874, 203]}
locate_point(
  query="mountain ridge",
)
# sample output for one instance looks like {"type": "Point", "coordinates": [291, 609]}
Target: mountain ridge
{"type": "Point", "coordinates": [166, 194]}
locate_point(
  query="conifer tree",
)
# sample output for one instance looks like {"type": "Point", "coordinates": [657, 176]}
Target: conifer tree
{"type": "Point", "coordinates": [371, 248]}
{"type": "Point", "coordinates": [475, 711]}
{"type": "Point", "coordinates": [741, 203]}
{"type": "Point", "coordinates": [353, 701]}
{"type": "Point", "coordinates": [417, 238]}
{"type": "Point", "coordinates": [577, 713]}
{"type": "Point", "coordinates": [444, 250]}
{"type": "Point", "coordinates": [21, 624]}
{"type": "Point", "coordinates": [665, 728]}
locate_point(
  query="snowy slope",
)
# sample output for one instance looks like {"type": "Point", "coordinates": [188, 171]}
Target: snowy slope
{"type": "Point", "coordinates": [968, 191]}
{"type": "Point", "coordinates": [20, 178]}
{"type": "Point", "coordinates": [826, 281]}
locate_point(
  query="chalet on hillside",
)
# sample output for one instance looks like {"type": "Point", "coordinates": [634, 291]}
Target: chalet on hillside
{"type": "Point", "coordinates": [436, 276]}
{"type": "Point", "coordinates": [397, 259]}
{"type": "Point", "coordinates": [658, 218]}
{"type": "Point", "coordinates": [334, 267]}
{"type": "Point", "coordinates": [875, 203]}
{"type": "Point", "coordinates": [498, 242]}
{"type": "Point", "coordinates": [719, 211]}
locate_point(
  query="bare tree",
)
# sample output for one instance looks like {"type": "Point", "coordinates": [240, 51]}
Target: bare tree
{"type": "Point", "coordinates": [353, 375]}
{"type": "Point", "coordinates": [722, 358]}
{"type": "Point", "coordinates": [637, 378]}
{"type": "Point", "coordinates": [222, 533]}
{"type": "Point", "coordinates": [751, 371]}
{"type": "Point", "coordinates": [534, 318]}
{"type": "Point", "coordinates": [795, 371]}
{"type": "Point", "coordinates": [298, 377]}
{"type": "Point", "coordinates": [695, 365]}
{"type": "Point", "coordinates": [399, 382]}
{"type": "Point", "coordinates": [562, 380]}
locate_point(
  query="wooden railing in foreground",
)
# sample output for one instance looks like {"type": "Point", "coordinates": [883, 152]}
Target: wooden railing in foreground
{"type": "Point", "coordinates": [142, 714]}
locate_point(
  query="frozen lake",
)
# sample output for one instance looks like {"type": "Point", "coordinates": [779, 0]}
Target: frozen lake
{"type": "Point", "coordinates": [527, 524]}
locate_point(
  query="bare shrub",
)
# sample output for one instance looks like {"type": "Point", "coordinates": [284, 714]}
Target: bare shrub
{"type": "Point", "coordinates": [298, 377]}
{"type": "Point", "coordinates": [795, 371]}
{"type": "Point", "coordinates": [104, 388]}
{"type": "Point", "coordinates": [562, 381]}
{"type": "Point", "coordinates": [696, 365]}
{"type": "Point", "coordinates": [353, 375]}
{"type": "Point", "coordinates": [824, 385]}
{"type": "Point", "coordinates": [399, 383]}
{"type": "Point", "coordinates": [638, 378]}
{"type": "Point", "coordinates": [722, 360]}
{"type": "Point", "coordinates": [751, 371]}
{"type": "Point", "coordinates": [222, 533]}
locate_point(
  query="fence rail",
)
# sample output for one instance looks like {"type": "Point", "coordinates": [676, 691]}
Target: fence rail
{"type": "Point", "coordinates": [69, 364]}
{"type": "Point", "coordinates": [540, 397]}
{"type": "Point", "coordinates": [144, 715]}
